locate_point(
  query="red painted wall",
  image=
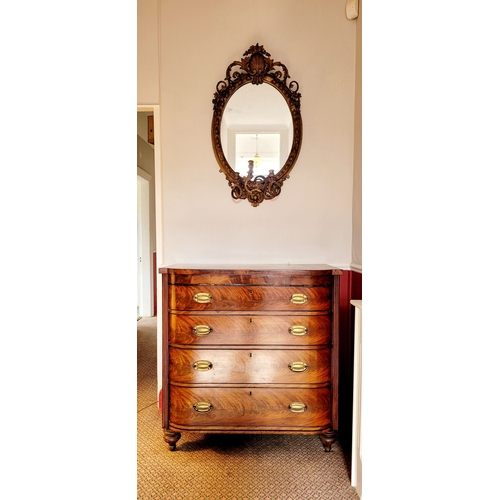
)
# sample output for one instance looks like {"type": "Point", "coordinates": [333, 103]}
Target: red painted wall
{"type": "Point", "coordinates": [350, 289]}
{"type": "Point", "coordinates": [155, 272]}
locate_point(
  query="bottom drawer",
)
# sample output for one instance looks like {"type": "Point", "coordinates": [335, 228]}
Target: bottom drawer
{"type": "Point", "coordinates": [249, 408]}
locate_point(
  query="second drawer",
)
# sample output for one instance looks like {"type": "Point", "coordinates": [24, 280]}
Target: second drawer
{"type": "Point", "coordinates": [249, 329]}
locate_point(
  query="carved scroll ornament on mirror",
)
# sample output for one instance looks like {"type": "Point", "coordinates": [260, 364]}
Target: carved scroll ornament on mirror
{"type": "Point", "coordinates": [256, 126]}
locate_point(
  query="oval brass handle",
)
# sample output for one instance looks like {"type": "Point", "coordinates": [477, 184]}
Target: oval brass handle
{"type": "Point", "coordinates": [202, 330]}
{"type": "Point", "coordinates": [297, 330]}
{"type": "Point", "coordinates": [297, 407]}
{"type": "Point", "coordinates": [202, 365]}
{"type": "Point", "coordinates": [298, 298]}
{"type": "Point", "coordinates": [297, 366]}
{"type": "Point", "coordinates": [202, 407]}
{"type": "Point", "coordinates": [203, 298]}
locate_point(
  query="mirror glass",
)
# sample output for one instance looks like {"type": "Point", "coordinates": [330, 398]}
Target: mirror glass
{"type": "Point", "coordinates": [257, 125]}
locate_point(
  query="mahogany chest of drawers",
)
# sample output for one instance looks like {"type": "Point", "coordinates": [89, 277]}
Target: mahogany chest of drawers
{"type": "Point", "coordinates": [250, 350]}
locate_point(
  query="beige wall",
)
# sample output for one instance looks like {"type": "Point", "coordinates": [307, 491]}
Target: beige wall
{"type": "Point", "coordinates": [312, 220]}
{"type": "Point", "coordinates": [147, 52]}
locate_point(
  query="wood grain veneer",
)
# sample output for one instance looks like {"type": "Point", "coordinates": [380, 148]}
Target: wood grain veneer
{"type": "Point", "coordinates": [245, 329]}
{"type": "Point", "coordinates": [250, 349]}
{"type": "Point", "coordinates": [250, 366]}
{"type": "Point", "coordinates": [237, 409]}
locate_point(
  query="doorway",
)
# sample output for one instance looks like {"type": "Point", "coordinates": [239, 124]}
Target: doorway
{"type": "Point", "coordinates": [146, 217]}
{"type": "Point", "coordinates": [144, 254]}
{"type": "Point", "coordinates": [150, 163]}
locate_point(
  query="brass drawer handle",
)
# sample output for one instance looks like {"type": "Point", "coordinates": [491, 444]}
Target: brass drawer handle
{"type": "Point", "coordinates": [202, 407]}
{"type": "Point", "coordinates": [202, 330]}
{"type": "Point", "coordinates": [297, 366]}
{"type": "Point", "coordinates": [298, 330]}
{"type": "Point", "coordinates": [298, 298]}
{"type": "Point", "coordinates": [203, 298]}
{"type": "Point", "coordinates": [202, 365]}
{"type": "Point", "coordinates": [297, 407]}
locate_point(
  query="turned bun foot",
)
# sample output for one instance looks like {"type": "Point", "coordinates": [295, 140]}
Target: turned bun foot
{"type": "Point", "coordinates": [171, 438]}
{"type": "Point", "coordinates": [328, 438]}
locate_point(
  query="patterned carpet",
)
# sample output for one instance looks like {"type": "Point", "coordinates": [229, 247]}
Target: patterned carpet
{"type": "Point", "coordinates": [227, 467]}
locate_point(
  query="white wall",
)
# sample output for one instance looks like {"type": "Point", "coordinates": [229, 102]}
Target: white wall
{"type": "Point", "coordinates": [311, 221]}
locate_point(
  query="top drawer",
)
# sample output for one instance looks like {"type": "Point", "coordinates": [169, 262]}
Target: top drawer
{"type": "Point", "coordinates": [249, 298]}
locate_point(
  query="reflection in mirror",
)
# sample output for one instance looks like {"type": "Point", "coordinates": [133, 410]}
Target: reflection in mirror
{"type": "Point", "coordinates": [256, 126]}
{"type": "Point", "coordinates": [248, 146]}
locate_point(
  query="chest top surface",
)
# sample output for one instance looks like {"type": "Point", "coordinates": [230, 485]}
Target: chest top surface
{"type": "Point", "coordinates": [194, 268]}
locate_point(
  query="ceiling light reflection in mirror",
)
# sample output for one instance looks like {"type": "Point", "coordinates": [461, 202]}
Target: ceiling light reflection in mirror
{"type": "Point", "coordinates": [265, 147]}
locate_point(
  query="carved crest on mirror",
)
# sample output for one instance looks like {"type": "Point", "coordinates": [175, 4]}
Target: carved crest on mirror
{"type": "Point", "coordinates": [250, 117]}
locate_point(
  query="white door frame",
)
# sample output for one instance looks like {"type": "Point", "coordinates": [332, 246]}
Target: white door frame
{"type": "Point", "coordinates": [357, 453]}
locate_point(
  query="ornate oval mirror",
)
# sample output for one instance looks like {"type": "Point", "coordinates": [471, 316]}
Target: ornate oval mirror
{"type": "Point", "coordinates": [256, 126]}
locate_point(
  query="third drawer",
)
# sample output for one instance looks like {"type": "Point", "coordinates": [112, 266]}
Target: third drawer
{"type": "Point", "coordinates": [249, 366]}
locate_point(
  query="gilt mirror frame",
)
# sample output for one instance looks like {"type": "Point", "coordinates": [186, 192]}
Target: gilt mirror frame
{"type": "Point", "coordinates": [256, 68]}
